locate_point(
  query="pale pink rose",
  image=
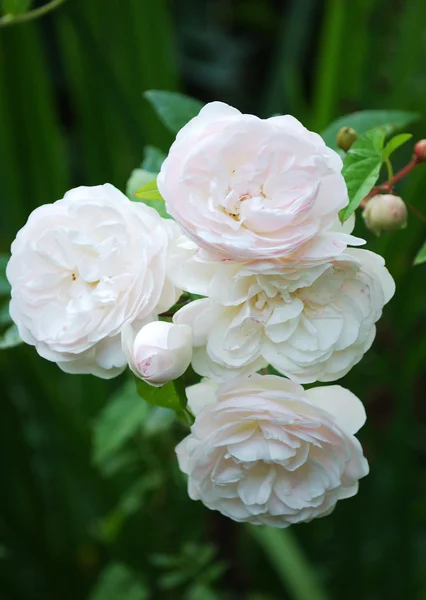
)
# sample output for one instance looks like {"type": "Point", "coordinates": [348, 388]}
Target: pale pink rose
{"type": "Point", "coordinates": [311, 324]}
{"type": "Point", "coordinates": [245, 188]}
{"type": "Point", "coordinates": [263, 450]}
{"type": "Point", "coordinates": [83, 267]}
{"type": "Point", "coordinates": [160, 351]}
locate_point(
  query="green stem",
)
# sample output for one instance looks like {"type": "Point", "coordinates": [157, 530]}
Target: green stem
{"type": "Point", "coordinates": [31, 15]}
{"type": "Point", "coordinates": [326, 89]}
{"type": "Point", "coordinates": [389, 169]}
{"type": "Point", "coordinates": [284, 552]}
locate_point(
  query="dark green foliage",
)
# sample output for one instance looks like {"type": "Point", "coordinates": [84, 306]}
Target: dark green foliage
{"type": "Point", "coordinates": [72, 112]}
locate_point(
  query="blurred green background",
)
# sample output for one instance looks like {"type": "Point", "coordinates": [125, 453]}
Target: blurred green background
{"type": "Point", "coordinates": [92, 503]}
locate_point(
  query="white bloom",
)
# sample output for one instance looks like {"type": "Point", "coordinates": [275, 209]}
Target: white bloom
{"type": "Point", "coordinates": [265, 451]}
{"type": "Point", "coordinates": [310, 324]}
{"type": "Point", "coordinates": [83, 267]}
{"type": "Point", "coordinates": [246, 188]}
{"type": "Point", "coordinates": [160, 351]}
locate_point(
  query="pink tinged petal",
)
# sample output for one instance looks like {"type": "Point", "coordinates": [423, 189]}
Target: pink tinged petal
{"type": "Point", "coordinates": [217, 110]}
{"type": "Point", "coordinates": [226, 472]}
{"type": "Point", "coordinates": [281, 453]}
{"type": "Point", "coordinates": [198, 315]}
{"type": "Point", "coordinates": [234, 433]}
{"type": "Point", "coordinates": [256, 487]}
{"type": "Point", "coordinates": [348, 491]}
{"type": "Point", "coordinates": [256, 510]}
{"type": "Point", "coordinates": [347, 410]}
{"type": "Point", "coordinates": [201, 395]}
{"type": "Point", "coordinates": [298, 459]}
{"type": "Point", "coordinates": [234, 509]}
{"type": "Point", "coordinates": [285, 312]}
{"type": "Point", "coordinates": [375, 264]}
{"type": "Point", "coordinates": [252, 450]}
{"type": "Point", "coordinates": [109, 353]}
{"type": "Point", "coordinates": [271, 431]}
{"type": "Point", "coordinates": [328, 325]}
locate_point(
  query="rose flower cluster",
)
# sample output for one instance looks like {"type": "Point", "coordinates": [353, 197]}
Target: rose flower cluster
{"type": "Point", "coordinates": [256, 234]}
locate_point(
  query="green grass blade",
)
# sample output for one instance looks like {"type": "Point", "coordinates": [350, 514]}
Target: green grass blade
{"type": "Point", "coordinates": [330, 52]}
{"type": "Point", "coordinates": [281, 547]}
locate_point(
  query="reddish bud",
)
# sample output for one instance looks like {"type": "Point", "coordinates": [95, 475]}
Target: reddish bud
{"type": "Point", "coordinates": [420, 150]}
{"type": "Point", "coordinates": [385, 212]}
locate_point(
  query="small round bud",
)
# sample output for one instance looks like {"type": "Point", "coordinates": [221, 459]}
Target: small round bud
{"type": "Point", "coordinates": [420, 150]}
{"type": "Point", "coordinates": [346, 136]}
{"type": "Point", "coordinates": [160, 351]}
{"type": "Point", "coordinates": [385, 212]}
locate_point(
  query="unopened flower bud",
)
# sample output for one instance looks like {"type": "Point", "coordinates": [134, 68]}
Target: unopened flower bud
{"type": "Point", "coordinates": [346, 136]}
{"type": "Point", "coordinates": [420, 150]}
{"type": "Point", "coordinates": [385, 212]}
{"type": "Point", "coordinates": [160, 351]}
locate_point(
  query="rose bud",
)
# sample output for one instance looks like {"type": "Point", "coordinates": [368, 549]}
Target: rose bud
{"type": "Point", "coordinates": [420, 150]}
{"type": "Point", "coordinates": [346, 136]}
{"type": "Point", "coordinates": [385, 212]}
{"type": "Point", "coordinates": [160, 351]}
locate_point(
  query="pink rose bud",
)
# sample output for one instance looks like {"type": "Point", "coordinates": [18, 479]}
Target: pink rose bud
{"type": "Point", "coordinates": [160, 351]}
{"type": "Point", "coordinates": [385, 212]}
{"type": "Point", "coordinates": [420, 150]}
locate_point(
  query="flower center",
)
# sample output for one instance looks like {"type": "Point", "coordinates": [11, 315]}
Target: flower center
{"type": "Point", "coordinates": [233, 200]}
{"type": "Point", "coordinates": [260, 301]}
{"type": "Point", "coordinates": [91, 284]}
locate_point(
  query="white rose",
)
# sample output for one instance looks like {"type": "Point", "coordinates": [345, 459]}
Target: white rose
{"type": "Point", "coordinates": [265, 451]}
{"type": "Point", "coordinates": [310, 324]}
{"type": "Point", "coordinates": [83, 267]}
{"type": "Point", "coordinates": [159, 352]}
{"type": "Point", "coordinates": [249, 189]}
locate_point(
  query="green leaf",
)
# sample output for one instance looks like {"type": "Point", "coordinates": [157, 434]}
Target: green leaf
{"type": "Point", "coordinates": [121, 418]}
{"type": "Point", "coordinates": [164, 561]}
{"type": "Point", "coordinates": [361, 168]}
{"type": "Point", "coordinates": [165, 396]}
{"type": "Point", "coordinates": [173, 109]}
{"type": "Point", "coordinates": [199, 591]}
{"type": "Point", "coordinates": [153, 159]}
{"type": "Point", "coordinates": [171, 395]}
{"type": "Point", "coordinates": [158, 421]}
{"type": "Point", "coordinates": [130, 503]}
{"type": "Point", "coordinates": [421, 255]}
{"type": "Point", "coordinates": [4, 284]}
{"type": "Point", "coordinates": [395, 143]}
{"type": "Point", "coordinates": [363, 121]}
{"type": "Point", "coordinates": [16, 7]}
{"type": "Point", "coordinates": [149, 191]}
{"type": "Point", "coordinates": [10, 338]}
{"type": "Point", "coordinates": [125, 460]}
{"type": "Point", "coordinates": [171, 580]}
{"type": "Point", "coordinates": [214, 572]}
{"type": "Point", "coordinates": [139, 178]}
{"type": "Point", "coordinates": [118, 581]}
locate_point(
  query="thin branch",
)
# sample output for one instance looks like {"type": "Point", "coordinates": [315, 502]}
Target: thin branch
{"type": "Point", "coordinates": [387, 187]}
{"type": "Point", "coordinates": [31, 15]}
